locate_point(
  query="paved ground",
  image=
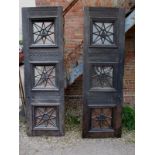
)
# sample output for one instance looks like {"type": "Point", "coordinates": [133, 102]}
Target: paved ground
{"type": "Point", "coordinates": [73, 144]}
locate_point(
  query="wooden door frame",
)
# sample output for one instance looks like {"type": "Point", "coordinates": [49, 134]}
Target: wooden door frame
{"type": "Point", "coordinates": [101, 99]}
{"type": "Point", "coordinates": [43, 55]}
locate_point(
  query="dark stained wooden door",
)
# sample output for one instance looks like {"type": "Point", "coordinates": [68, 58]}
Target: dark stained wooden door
{"type": "Point", "coordinates": [103, 71]}
{"type": "Point", "coordinates": [44, 73]}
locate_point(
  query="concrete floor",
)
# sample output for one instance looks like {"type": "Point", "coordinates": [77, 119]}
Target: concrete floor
{"type": "Point", "coordinates": [73, 144]}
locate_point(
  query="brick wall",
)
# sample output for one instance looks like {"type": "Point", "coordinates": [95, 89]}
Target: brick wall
{"type": "Point", "coordinates": [73, 93]}
{"type": "Point", "coordinates": [73, 35]}
{"type": "Point", "coordinates": [129, 68]}
{"type": "Point", "coordinates": [75, 89]}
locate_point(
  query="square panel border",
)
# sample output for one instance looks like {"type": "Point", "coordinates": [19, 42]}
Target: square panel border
{"type": "Point", "coordinates": [96, 106]}
{"type": "Point", "coordinates": [54, 63]}
{"type": "Point", "coordinates": [115, 76]}
{"type": "Point", "coordinates": [45, 19]}
{"type": "Point", "coordinates": [45, 105]}
{"type": "Point", "coordinates": [111, 20]}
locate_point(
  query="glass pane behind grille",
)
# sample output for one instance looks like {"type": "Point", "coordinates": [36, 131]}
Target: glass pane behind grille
{"type": "Point", "coordinates": [101, 118]}
{"type": "Point", "coordinates": [102, 77]}
{"type": "Point", "coordinates": [43, 33]}
{"type": "Point", "coordinates": [103, 33]}
{"type": "Point", "coordinates": [44, 76]}
{"type": "Point", "coordinates": [45, 117]}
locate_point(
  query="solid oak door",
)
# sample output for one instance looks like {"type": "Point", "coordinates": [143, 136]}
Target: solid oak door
{"type": "Point", "coordinates": [44, 73]}
{"type": "Point", "coordinates": [103, 71]}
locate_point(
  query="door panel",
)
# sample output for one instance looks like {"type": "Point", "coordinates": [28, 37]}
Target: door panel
{"type": "Point", "coordinates": [43, 47]}
{"type": "Point", "coordinates": [103, 71]}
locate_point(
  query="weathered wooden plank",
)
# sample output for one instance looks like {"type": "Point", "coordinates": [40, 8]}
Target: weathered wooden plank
{"type": "Point", "coordinates": [44, 71]}
{"type": "Point", "coordinates": [98, 89]}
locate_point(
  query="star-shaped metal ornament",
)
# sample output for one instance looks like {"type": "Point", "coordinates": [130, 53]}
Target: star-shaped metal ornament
{"type": "Point", "coordinates": [102, 76]}
{"type": "Point", "coordinates": [44, 77]}
{"type": "Point", "coordinates": [102, 33]}
{"type": "Point", "coordinates": [103, 120]}
{"type": "Point", "coordinates": [45, 117]}
{"type": "Point", "coordinates": [43, 33]}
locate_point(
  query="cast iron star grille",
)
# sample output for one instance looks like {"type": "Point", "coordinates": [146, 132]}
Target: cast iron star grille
{"type": "Point", "coordinates": [43, 33]}
{"type": "Point", "coordinates": [103, 33]}
{"type": "Point", "coordinates": [44, 77]}
{"type": "Point", "coordinates": [45, 117]}
{"type": "Point", "coordinates": [102, 77]}
{"type": "Point", "coordinates": [103, 120]}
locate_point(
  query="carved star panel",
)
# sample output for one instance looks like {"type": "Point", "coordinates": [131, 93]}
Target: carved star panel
{"type": "Point", "coordinates": [103, 33]}
{"type": "Point", "coordinates": [45, 117]}
{"type": "Point", "coordinates": [43, 33]}
{"type": "Point", "coordinates": [102, 77]}
{"type": "Point", "coordinates": [45, 76]}
{"type": "Point", "coordinates": [101, 118]}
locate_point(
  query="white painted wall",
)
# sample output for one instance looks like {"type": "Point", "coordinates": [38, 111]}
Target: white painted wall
{"type": "Point", "coordinates": [24, 3]}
